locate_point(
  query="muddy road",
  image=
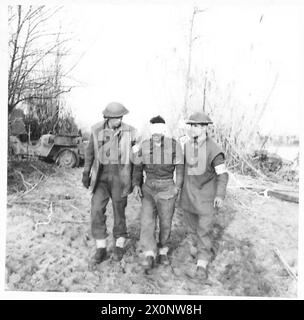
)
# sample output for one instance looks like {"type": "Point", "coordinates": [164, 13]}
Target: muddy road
{"type": "Point", "coordinates": [49, 246]}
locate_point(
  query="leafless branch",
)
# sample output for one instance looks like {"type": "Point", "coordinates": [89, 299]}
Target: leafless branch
{"type": "Point", "coordinates": [49, 217]}
{"type": "Point", "coordinates": [26, 184]}
{"type": "Point", "coordinates": [204, 93]}
{"type": "Point", "coordinates": [190, 43]}
{"type": "Point", "coordinates": [28, 191]}
{"type": "Point", "coordinates": [45, 97]}
{"type": "Point", "coordinates": [285, 264]}
{"type": "Point", "coordinates": [34, 167]}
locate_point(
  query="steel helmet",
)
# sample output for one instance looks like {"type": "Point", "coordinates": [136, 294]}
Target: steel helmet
{"type": "Point", "coordinates": [115, 110]}
{"type": "Point", "coordinates": [199, 117]}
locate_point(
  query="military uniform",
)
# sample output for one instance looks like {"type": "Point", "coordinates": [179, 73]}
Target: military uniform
{"type": "Point", "coordinates": [159, 162]}
{"type": "Point", "coordinates": [107, 163]}
{"type": "Point", "coordinates": [199, 191]}
{"type": "Point", "coordinates": [205, 178]}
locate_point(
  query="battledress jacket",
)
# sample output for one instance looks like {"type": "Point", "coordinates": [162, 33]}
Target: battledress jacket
{"type": "Point", "coordinates": [201, 182]}
{"type": "Point", "coordinates": [94, 154]}
{"type": "Point", "coordinates": [170, 157]}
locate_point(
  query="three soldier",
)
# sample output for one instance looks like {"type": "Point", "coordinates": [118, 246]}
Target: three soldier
{"type": "Point", "coordinates": [116, 163]}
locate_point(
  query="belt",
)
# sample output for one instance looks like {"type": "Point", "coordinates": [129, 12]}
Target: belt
{"type": "Point", "coordinates": [159, 180]}
{"type": "Point", "coordinates": [156, 182]}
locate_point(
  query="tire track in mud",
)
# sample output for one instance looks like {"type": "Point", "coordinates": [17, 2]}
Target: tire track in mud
{"type": "Point", "coordinates": [56, 257]}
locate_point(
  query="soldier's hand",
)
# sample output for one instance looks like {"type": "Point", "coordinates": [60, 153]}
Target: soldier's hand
{"type": "Point", "coordinates": [137, 193]}
{"type": "Point", "coordinates": [177, 199]}
{"type": "Point", "coordinates": [218, 202]}
{"type": "Point", "coordinates": [86, 179]}
{"type": "Point", "coordinates": [178, 191]}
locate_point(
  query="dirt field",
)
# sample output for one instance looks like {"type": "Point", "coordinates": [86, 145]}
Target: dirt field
{"type": "Point", "coordinates": [49, 245]}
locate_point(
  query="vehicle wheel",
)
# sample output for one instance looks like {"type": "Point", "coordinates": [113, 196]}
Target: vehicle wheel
{"type": "Point", "coordinates": [67, 158]}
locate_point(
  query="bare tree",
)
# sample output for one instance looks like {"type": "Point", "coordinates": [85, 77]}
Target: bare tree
{"type": "Point", "coordinates": [31, 49]}
{"type": "Point", "coordinates": [204, 92]}
{"type": "Point", "coordinates": [190, 44]}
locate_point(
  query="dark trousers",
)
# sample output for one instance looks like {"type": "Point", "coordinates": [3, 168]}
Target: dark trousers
{"type": "Point", "coordinates": [200, 226]}
{"type": "Point", "coordinates": [158, 200]}
{"type": "Point", "coordinates": [108, 186]}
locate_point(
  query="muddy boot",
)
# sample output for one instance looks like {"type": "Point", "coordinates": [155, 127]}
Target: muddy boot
{"type": "Point", "coordinates": [163, 256]}
{"type": "Point", "coordinates": [163, 259]}
{"type": "Point", "coordinates": [148, 264]}
{"type": "Point", "coordinates": [100, 255]}
{"type": "Point", "coordinates": [118, 253]}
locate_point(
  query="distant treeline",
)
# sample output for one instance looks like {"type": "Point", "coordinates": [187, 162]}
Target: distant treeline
{"type": "Point", "coordinates": [279, 140]}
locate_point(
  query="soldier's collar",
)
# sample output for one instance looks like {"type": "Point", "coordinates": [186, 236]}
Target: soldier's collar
{"type": "Point", "coordinates": [199, 140]}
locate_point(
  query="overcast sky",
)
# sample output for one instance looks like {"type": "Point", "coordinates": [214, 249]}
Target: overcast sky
{"type": "Point", "coordinates": [136, 54]}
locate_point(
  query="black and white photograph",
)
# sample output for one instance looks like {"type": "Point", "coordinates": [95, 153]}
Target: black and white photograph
{"type": "Point", "coordinates": [152, 148]}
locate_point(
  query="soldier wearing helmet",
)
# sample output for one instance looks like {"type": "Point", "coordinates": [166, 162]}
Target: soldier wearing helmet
{"type": "Point", "coordinates": [108, 174]}
{"type": "Point", "coordinates": [204, 188]}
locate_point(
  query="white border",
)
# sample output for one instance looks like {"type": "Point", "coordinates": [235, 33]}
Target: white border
{"type": "Point", "coordinates": [3, 175]}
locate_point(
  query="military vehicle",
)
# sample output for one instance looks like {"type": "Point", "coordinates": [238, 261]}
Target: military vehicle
{"type": "Point", "coordinates": [64, 150]}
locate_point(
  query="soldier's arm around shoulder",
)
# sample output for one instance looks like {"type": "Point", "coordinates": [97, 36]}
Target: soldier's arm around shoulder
{"type": "Point", "coordinates": [137, 173]}
{"type": "Point", "coordinates": [179, 163]}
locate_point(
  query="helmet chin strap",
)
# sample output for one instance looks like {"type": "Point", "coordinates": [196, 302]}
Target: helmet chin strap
{"type": "Point", "coordinates": [200, 138]}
